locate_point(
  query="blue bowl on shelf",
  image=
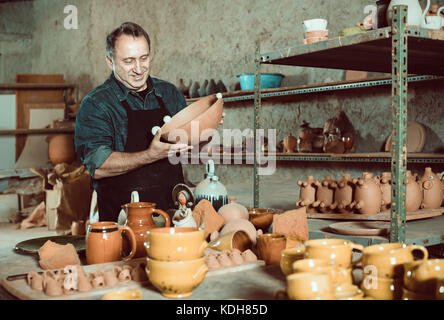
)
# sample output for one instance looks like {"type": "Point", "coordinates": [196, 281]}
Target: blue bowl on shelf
{"type": "Point", "coordinates": [268, 80]}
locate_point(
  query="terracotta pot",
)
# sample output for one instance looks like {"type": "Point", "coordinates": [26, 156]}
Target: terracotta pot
{"type": "Point", "coordinates": [368, 195]}
{"type": "Point", "coordinates": [270, 246]}
{"type": "Point", "coordinates": [140, 220]}
{"type": "Point", "coordinates": [61, 148]}
{"type": "Point", "coordinates": [307, 194]}
{"type": "Point", "coordinates": [386, 189]}
{"type": "Point", "coordinates": [240, 224]}
{"type": "Point", "coordinates": [261, 218]}
{"type": "Point", "coordinates": [343, 194]}
{"type": "Point", "coordinates": [432, 190]}
{"type": "Point", "coordinates": [233, 210]}
{"type": "Point", "coordinates": [290, 143]}
{"type": "Point", "coordinates": [413, 193]}
{"type": "Point", "coordinates": [204, 114]}
{"type": "Point", "coordinates": [324, 194]}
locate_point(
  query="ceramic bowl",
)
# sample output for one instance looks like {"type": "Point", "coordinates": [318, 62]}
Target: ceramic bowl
{"type": "Point", "coordinates": [348, 291]}
{"type": "Point", "coordinates": [314, 25]}
{"type": "Point", "coordinates": [174, 244]}
{"type": "Point", "coordinates": [423, 276]}
{"type": "Point", "coordinates": [176, 279]}
{"type": "Point", "coordinates": [261, 218]}
{"type": "Point", "coordinates": [310, 286]}
{"type": "Point", "coordinates": [123, 295]}
{"type": "Point", "coordinates": [288, 257]}
{"type": "Point", "coordinates": [196, 123]}
{"type": "Point", "coordinates": [337, 274]}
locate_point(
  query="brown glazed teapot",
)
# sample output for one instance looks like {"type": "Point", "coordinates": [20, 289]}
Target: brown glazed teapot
{"type": "Point", "coordinates": [140, 220]}
{"type": "Point", "coordinates": [343, 194]}
{"type": "Point", "coordinates": [307, 194]}
{"type": "Point", "coordinates": [368, 195]}
{"type": "Point", "coordinates": [324, 194]}
{"type": "Point", "coordinates": [432, 190]}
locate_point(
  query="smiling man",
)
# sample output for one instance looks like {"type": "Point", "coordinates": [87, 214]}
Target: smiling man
{"type": "Point", "coordinates": [113, 135]}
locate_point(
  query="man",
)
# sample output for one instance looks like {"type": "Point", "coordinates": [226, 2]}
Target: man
{"type": "Point", "coordinates": [113, 135]}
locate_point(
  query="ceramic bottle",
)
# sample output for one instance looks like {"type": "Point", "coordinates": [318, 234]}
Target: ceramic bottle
{"type": "Point", "coordinates": [194, 90]}
{"type": "Point", "coordinates": [386, 189]}
{"type": "Point", "coordinates": [413, 193]}
{"type": "Point", "coordinates": [211, 88]}
{"type": "Point", "coordinates": [324, 194]}
{"type": "Point", "coordinates": [368, 195]}
{"type": "Point", "coordinates": [183, 88]}
{"type": "Point", "coordinates": [203, 89]}
{"type": "Point", "coordinates": [290, 143]}
{"type": "Point", "coordinates": [211, 188]}
{"type": "Point", "coordinates": [432, 190]}
{"type": "Point", "coordinates": [307, 195]}
{"type": "Point", "coordinates": [343, 194]}
{"type": "Point", "coordinates": [221, 87]}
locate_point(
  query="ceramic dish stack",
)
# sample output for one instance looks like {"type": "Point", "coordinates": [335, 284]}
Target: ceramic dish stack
{"type": "Point", "coordinates": [175, 262]}
{"type": "Point", "coordinates": [315, 31]}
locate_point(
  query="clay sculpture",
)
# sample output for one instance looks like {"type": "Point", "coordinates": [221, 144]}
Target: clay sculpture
{"type": "Point", "coordinates": [51, 285]}
{"type": "Point", "coordinates": [368, 195]}
{"type": "Point", "coordinates": [432, 190]}
{"type": "Point", "coordinates": [324, 194]}
{"type": "Point", "coordinates": [386, 189]}
{"type": "Point", "coordinates": [307, 194]}
{"type": "Point", "coordinates": [125, 273]}
{"type": "Point", "coordinates": [111, 277]}
{"type": "Point", "coordinates": [35, 281]}
{"type": "Point", "coordinates": [249, 256]}
{"type": "Point", "coordinates": [138, 273]}
{"type": "Point", "coordinates": [413, 193]}
{"type": "Point", "coordinates": [343, 194]}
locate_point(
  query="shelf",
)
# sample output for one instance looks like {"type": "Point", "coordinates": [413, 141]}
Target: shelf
{"type": "Point", "coordinates": [367, 51]}
{"type": "Point", "coordinates": [35, 86]}
{"type": "Point", "coordinates": [13, 132]}
{"type": "Point", "coordinates": [243, 95]}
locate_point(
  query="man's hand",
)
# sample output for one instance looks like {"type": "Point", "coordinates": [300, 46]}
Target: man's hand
{"type": "Point", "coordinates": [160, 150]}
{"type": "Point", "coordinates": [222, 119]}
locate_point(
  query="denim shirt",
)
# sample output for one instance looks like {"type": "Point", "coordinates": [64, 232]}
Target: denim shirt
{"type": "Point", "coordinates": [102, 123]}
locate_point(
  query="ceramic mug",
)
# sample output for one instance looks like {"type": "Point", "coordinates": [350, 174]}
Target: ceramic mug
{"type": "Point", "coordinates": [270, 246]}
{"type": "Point", "coordinates": [104, 242]}
{"type": "Point", "coordinates": [308, 286]}
{"type": "Point", "coordinates": [175, 244]}
{"type": "Point", "coordinates": [238, 239]}
{"type": "Point", "coordinates": [423, 276]}
{"type": "Point", "coordinates": [382, 288]}
{"type": "Point", "coordinates": [78, 228]}
{"type": "Point", "coordinates": [337, 251]}
{"type": "Point", "coordinates": [387, 260]}
{"type": "Point", "coordinates": [288, 257]}
{"type": "Point", "coordinates": [337, 274]}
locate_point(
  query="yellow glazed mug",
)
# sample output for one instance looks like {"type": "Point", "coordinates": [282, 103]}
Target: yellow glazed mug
{"type": "Point", "coordinates": [337, 274]}
{"type": "Point", "coordinates": [288, 257]}
{"type": "Point", "coordinates": [337, 251]}
{"type": "Point", "coordinates": [308, 286]}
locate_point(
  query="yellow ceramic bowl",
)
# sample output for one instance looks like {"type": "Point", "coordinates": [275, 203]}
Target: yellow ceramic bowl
{"type": "Point", "coordinates": [382, 288]}
{"type": "Point", "coordinates": [288, 257]}
{"type": "Point", "coordinates": [175, 244]}
{"type": "Point", "coordinates": [337, 274]}
{"type": "Point", "coordinates": [348, 291]}
{"type": "Point", "coordinates": [423, 276]}
{"type": "Point", "coordinates": [123, 295]}
{"type": "Point", "coordinates": [176, 279]}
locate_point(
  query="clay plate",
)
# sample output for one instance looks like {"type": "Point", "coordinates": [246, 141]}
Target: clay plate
{"type": "Point", "coordinates": [416, 137]}
{"type": "Point", "coordinates": [32, 246]}
{"type": "Point", "coordinates": [361, 228]}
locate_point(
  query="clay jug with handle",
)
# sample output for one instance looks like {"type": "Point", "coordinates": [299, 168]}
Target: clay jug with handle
{"type": "Point", "coordinates": [140, 220]}
{"type": "Point", "coordinates": [415, 15]}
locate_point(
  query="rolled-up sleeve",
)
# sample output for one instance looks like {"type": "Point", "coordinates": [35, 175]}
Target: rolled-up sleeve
{"type": "Point", "coordinates": [93, 135]}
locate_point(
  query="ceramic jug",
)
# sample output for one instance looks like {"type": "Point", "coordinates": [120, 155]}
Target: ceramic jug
{"type": "Point", "coordinates": [211, 188]}
{"type": "Point", "coordinates": [432, 190]}
{"type": "Point", "coordinates": [324, 194]}
{"type": "Point", "coordinates": [307, 195]}
{"type": "Point", "coordinates": [415, 14]}
{"type": "Point", "coordinates": [368, 195]}
{"type": "Point", "coordinates": [413, 193]}
{"type": "Point", "coordinates": [343, 194]}
{"type": "Point", "coordinates": [140, 220]}
{"type": "Point", "coordinates": [121, 220]}
{"type": "Point", "coordinates": [386, 189]}
{"type": "Point", "coordinates": [433, 22]}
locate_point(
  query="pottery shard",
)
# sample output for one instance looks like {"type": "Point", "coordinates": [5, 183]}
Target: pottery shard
{"type": "Point", "coordinates": [205, 214]}
{"type": "Point", "coordinates": [292, 223]}
{"type": "Point", "coordinates": [55, 256]}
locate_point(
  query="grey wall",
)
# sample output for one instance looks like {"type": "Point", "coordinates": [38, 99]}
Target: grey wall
{"type": "Point", "coordinates": [203, 39]}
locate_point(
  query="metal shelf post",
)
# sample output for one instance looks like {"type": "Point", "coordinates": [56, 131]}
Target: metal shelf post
{"type": "Point", "coordinates": [257, 121]}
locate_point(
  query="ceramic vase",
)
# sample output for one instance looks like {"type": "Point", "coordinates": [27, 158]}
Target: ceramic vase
{"type": "Point", "coordinates": [203, 89]}
{"type": "Point", "coordinates": [233, 210]}
{"type": "Point", "coordinates": [432, 190]}
{"type": "Point", "coordinates": [368, 195]}
{"type": "Point", "coordinates": [211, 88]}
{"type": "Point", "coordinates": [61, 149]}
{"type": "Point", "coordinates": [194, 90]}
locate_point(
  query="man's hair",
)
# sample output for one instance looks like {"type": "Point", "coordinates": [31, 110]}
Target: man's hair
{"type": "Point", "coordinates": [128, 28]}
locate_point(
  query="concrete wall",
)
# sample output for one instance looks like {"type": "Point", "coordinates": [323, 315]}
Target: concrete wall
{"type": "Point", "coordinates": [203, 39]}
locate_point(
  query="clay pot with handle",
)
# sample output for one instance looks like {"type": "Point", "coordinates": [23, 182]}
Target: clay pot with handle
{"type": "Point", "coordinates": [368, 195]}
{"type": "Point", "coordinates": [413, 193]}
{"type": "Point", "coordinates": [343, 194]}
{"type": "Point", "coordinates": [324, 194]}
{"type": "Point", "coordinates": [432, 190]}
{"type": "Point", "coordinates": [140, 220]}
{"type": "Point", "coordinates": [307, 194]}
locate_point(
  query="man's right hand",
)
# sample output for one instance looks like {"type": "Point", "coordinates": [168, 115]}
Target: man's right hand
{"type": "Point", "coordinates": [160, 150]}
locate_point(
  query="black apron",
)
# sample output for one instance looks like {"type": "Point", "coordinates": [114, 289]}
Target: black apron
{"type": "Point", "coordinates": [154, 182]}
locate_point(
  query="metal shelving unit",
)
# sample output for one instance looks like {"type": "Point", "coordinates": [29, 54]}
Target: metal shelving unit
{"type": "Point", "coordinates": [384, 50]}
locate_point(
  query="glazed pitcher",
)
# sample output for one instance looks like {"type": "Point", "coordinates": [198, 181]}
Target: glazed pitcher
{"type": "Point", "coordinates": [140, 220]}
{"type": "Point", "coordinates": [415, 15]}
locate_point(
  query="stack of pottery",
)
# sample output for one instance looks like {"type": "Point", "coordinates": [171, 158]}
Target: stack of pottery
{"type": "Point", "coordinates": [175, 262]}
{"type": "Point", "coordinates": [424, 280]}
{"type": "Point", "coordinates": [383, 266]}
{"type": "Point", "coordinates": [315, 31]}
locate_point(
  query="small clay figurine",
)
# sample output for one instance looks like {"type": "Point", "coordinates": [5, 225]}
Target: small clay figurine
{"type": "Point", "coordinates": [183, 217]}
{"type": "Point", "coordinates": [51, 285]}
{"type": "Point", "coordinates": [111, 277]}
{"type": "Point", "coordinates": [139, 274]}
{"type": "Point", "coordinates": [249, 256]}
{"type": "Point", "coordinates": [224, 260]}
{"type": "Point", "coordinates": [125, 274]}
{"type": "Point", "coordinates": [212, 261]}
{"type": "Point", "coordinates": [236, 257]}
{"type": "Point", "coordinates": [35, 281]}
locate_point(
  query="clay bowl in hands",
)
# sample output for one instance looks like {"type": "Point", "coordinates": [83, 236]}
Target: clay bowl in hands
{"type": "Point", "coordinates": [261, 218]}
{"type": "Point", "coordinates": [204, 116]}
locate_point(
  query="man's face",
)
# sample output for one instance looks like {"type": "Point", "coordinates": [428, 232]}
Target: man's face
{"type": "Point", "coordinates": [131, 63]}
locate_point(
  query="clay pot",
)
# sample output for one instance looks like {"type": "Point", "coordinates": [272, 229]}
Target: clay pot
{"type": "Point", "coordinates": [78, 228]}
{"type": "Point", "coordinates": [140, 220]}
{"type": "Point", "coordinates": [343, 194]}
{"type": "Point", "coordinates": [261, 218]}
{"type": "Point", "coordinates": [232, 211]}
{"type": "Point", "coordinates": [270, 246]}
{"type": "Point", "coordinates": [61, 148]}
{"type": "Point", "coordinates": [290, 143]}
{"type": "Point", "coordinates": [204, 114]}
{"type": "Point", "coordinates": [324, 194]}
{"type": "Point", "coordinates": [307, 194]}
{"type": "Point", "coordinates": [386, 189]}
{"type": "Point", "coordinates": [432, 190]}
{"type": "Point", "coordinates": [413, 193]}
{"type": "Point", "coordinates": [240, 224]}
{"type": "Point", "coordinates": [368, 195]}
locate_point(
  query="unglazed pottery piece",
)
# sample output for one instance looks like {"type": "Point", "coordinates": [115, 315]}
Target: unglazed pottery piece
{"type": "Point", "coordinates": [233, 210]}
{"type": "Point", "coordinates": [236, 257]}
{"type": "Point", "coordinates": [125, 273]}
{"type": "Point", "coordinates": [78, 228]}
{"type": "Point", "coordinates": [343, 194]}
{"type": "Point", "coordinates": [240, 224]}
{"type": "Point", "coordinates": [224, 260]}
{"type": "Point", "coordinates": [212, 262]}
{"type": "Point", "coordinates": [388, 259]}
{"type": "Point", "coordinates": [432, 190]}
{"type": "Point", "coordinates": [138, 273]}
{"type": "Point", "coordinates": [175, 244]}
{"type": "Point", "coordinates": [416, 137]}
{"type": "Point", "coordinates": [261, 218]}
{"type": "Point", "coordinates": [290, 143]}
{"type": "Point", "coordinates": [313, 40]}
{"type": "Point", "coordinates": [324, 194]}
{"type": "Point", "coordinates": [84, 283]}
{"type": "Point", "coordinates": [35, 281]}
{"type": "Point", "coordinates": [176, 279]}
{"type": "Point", "coordinates": [249, 256]}
{"type": "Point", "coordinates": [307, 195]}
{"type": "Point", "coordinates": [111, 277]}
{"type": "Point", "coordinates": [61, 148]}
{"type": "Point", "coordinates": [51, 285]}
{"type": "Point", "coordinates": [336, 251]}
{"type": "Point", "coordinates": [316, 33]}
{"type": "Point", "coordinates": [104, 242]}
{"type": "Point", "coordinates": [368, 195]}
{"type": "Point", "coordinates": [413, 193]}
{"type": "Point", "coordinates": [140, 220]}
{"type": "Point", "coordinates": [361, 228]}
{"type": "Point", "coordinates": [203, 115]}
{"type": "Point", "coordinates": [53, 255]}
{"type": "Point", "coordinates": [270, 246]}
